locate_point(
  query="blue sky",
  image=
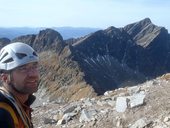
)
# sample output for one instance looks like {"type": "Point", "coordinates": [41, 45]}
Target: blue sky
{"type": "Point", "coordinates": [82, 13]}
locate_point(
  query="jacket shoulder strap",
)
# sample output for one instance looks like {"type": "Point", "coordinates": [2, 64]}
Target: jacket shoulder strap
{"type": "Point", "coordinates": [8, 108]}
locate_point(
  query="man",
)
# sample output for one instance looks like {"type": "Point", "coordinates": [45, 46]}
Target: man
{"type": "Point", "coordinates": [19, 76]}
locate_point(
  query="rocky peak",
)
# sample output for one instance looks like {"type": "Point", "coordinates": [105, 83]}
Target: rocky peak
{"type": "Point", "coordinates": [48, 39]}
{"type": "Point", "coordinates": [29, 39]}
{"type": "Point", "coordinates": [112, 30]}
{"type": "Point", "coordinates": [145, 22]}
{"type": "Point", "coordinates": [136, 27]}
{"type": "Point", "coordinates": [54, 35]}
{"type": "Point", "coordinates": [144, 32]}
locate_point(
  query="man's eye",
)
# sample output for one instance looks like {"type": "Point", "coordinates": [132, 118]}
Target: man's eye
{"type": "Point", "coordinates": [23, 68]}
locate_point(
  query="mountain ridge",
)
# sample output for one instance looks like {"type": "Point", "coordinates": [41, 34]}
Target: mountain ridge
{"type": "Point", "coordinates": [66, 32]}
{"type": "Point", "coordinates": [100, 61]}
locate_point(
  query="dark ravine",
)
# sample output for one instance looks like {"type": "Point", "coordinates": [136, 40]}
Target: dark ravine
{"type": "Point", "coordinates": [101, 61]}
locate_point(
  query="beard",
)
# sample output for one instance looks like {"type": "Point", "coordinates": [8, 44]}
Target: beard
{"type": "Point", "coordinates": [27, 85]}
{"type": "Point", "coordinates": [25, 89]}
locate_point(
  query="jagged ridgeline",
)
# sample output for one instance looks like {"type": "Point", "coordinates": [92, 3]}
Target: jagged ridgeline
{"type": "Point", "coordinates": [104, 60]}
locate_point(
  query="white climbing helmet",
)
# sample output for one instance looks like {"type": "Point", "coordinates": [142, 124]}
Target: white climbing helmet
{"type": "Point", "coordinates": [16, 54]}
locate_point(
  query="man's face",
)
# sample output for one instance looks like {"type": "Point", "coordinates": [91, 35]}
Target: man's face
{"type": "Point", "coordinates": [25, 78]}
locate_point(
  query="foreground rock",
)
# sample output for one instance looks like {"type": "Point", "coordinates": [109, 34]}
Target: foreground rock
{"type": "Point", "coordinates": [142, 106]}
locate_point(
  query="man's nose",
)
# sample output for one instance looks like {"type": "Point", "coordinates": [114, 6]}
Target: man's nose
{"type": "Point", "coordinates": [33, 72]}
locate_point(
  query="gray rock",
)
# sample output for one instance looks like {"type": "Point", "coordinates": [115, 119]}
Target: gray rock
{"type": "Point", "coordinates": [121, 104]}
{"type": "Point", "coordinates": [136, 100]}
{"type": "Point", "coordinates": [141, 123]}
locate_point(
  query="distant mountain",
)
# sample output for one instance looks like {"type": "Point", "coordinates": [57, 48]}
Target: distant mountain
{"type": "Point", "coordinates": [99, 61]}
{"type": "Point", "coordinates": [73, 32]}
{"type": "Point", "coordinates": [14, 32]}
{"type": "Point", "coordinates": [66, 32]}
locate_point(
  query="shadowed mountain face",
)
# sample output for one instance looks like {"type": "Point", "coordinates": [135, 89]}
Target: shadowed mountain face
{"type": "Point", "coordinates": [154, 59]}
{"type": "Point", "coordinates": [103, 56]}
{"type": "Point", "coordinates": [101, 61]}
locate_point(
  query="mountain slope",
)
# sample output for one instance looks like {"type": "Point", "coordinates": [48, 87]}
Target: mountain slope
{"type": "Point", "coordinates": [143, 106]}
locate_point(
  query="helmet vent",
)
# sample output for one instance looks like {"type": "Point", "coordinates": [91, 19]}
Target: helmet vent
{"type": "Point", "coordinates": [21, 55]}
{"type": "Point", "coordinates": [3, 56]}
{"type": "Point", "coordinates": [8, 60]}
{"type": "Point", "coordinates": [35, 54]}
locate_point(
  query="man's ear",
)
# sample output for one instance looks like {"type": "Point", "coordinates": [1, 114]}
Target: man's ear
{"type": "Point", "coordinates": [4, 77]}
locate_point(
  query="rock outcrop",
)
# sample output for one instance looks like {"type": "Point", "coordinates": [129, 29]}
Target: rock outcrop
{"type": "Point", "coordinates": [46, 40]}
